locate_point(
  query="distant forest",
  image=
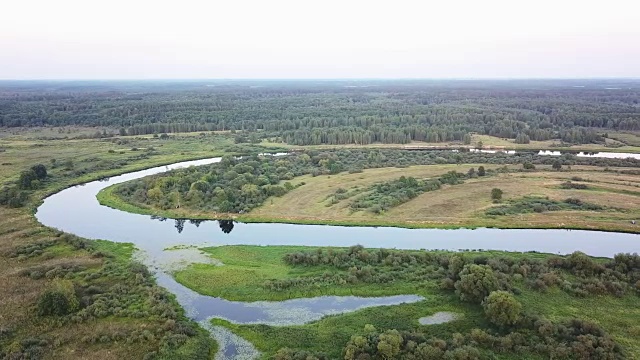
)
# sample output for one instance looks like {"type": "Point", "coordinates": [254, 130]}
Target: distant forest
{"type": "Point", "coordinates": [335, 112]}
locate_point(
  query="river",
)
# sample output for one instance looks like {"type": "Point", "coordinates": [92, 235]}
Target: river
{"type": "Point", "coordinates": [76, 210]}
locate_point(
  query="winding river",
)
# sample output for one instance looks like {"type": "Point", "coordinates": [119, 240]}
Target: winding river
{"type": "Point", "coordinates": [76, 210]}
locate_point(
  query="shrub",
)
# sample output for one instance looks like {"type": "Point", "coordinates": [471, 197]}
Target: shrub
{"type": "Point", "coordinates": [496, 194]}
{"type": "Point", "coordinates": [502, 309]}
{"type": "Point", "coordinates": [295, 354]}
{"type": "Point", "coordinates": [571, 185]}
{"type": "Point", "coordinates": [476, 282]}
{"type": "Point", "coordinates": [59, 300]}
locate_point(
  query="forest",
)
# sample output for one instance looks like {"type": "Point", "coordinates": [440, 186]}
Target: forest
{"type": "Point", "coordinates": [335, 112]}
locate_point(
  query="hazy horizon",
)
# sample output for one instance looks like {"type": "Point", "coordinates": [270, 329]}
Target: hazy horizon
{"type": "Point", "coordinates": [329, 40]}
{"type": "Point", "coordinates": [293, 79]}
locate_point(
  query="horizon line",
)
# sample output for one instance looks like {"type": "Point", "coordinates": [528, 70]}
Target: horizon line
{"type": "Point", "coordinates": [328, 79]}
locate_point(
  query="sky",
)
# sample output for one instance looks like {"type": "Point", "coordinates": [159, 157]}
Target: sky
{"type": "Point", "coordinates": [188, 39]}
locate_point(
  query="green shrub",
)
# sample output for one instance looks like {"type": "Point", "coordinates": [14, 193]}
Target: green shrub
{"type": "Point", "coordinates": [496, 194]}
{"type": "Point", "coordinates": [502, 309]}
{"type": "Point", "coordinates": [59, 300]}
{"type": "Point", "coordinates": [476, 282]}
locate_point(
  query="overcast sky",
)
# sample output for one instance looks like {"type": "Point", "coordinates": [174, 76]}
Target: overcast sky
{"type": "Point", "coordinates": [142, 39]}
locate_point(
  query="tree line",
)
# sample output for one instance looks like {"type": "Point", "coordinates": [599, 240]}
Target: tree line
{"type": "Point", "coordinates": [305, 113]}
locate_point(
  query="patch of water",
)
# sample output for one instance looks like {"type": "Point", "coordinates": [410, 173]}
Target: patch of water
{"type": "Point", "coordinates": [177, 259]}
{"type": "Point", "coordinates": [276, 313]}
{"type": "Point", "coordinates": [230, 345]}
{"type": "Point", "coordinates": [438, 318]}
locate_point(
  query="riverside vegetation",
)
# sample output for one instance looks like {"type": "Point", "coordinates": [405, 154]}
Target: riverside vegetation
{"type": "Point", "coordinates": [397, 187]}
{"type": "Point", "coordinates": [68, 297]}
{"type": "Point", "coordinates": [509, 305]}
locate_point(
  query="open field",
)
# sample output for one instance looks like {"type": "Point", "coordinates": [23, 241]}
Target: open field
{"type": "Point", "coordinates": [49, 133]}
{"type": "Point", "coordinates": [247, 268]}
{"type": "Point", "coordinates": [628, 138]}
{"type": "Point", "coordinates": [464, 204]}
{"type": "Point", "coordinates": [617, 142]}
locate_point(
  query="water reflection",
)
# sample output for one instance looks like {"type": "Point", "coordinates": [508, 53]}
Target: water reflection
{"type": "Point", "coordinates": [226, 225]}
{"type": "Point", "coordinates": [180, 225]}
{"type": "Point", "coordinates": [196, 222]}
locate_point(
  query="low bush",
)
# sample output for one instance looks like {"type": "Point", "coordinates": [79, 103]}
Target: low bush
{"type": "Point", "coordinates": [530, 204]}
{"type": "Point", "coordinates": [59, 300]}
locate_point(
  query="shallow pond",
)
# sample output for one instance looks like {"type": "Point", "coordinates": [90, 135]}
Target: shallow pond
{"type": "Point", "coordinates": [438, 318]}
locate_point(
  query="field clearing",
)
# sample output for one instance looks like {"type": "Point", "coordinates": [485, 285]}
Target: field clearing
{"type": "Point", "coordinates": [49, 133]}
{"type": "Point", "coordinates": [629, 138]}
{"type": "Point", "coordinates": [628, 142]}
{"type": "Point", "coordinates": [464, 204]}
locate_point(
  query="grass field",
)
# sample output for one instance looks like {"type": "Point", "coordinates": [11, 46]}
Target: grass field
{"type": "Point", "coordinates": [627, 138]}
{"type": "Point", "coordinates": [104, 156]}
{"type": "Point", "coordinates": [617, 142]}
{"type": "Point", "coordinates": [246, 268]}
{"type": "Point", "coordinates": [464, 205]}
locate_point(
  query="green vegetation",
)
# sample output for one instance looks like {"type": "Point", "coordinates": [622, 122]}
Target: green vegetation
{"type": "Point", "coordinates": [496, 195]}
{"type": "Point", "coordinates": [403, 188]}
{"type": "Point", "coordinates": [383, 196]}
{"type": "Point", "coordinates": [572, 185]}
{"type": "Point", "coordinates": [513, 304]}
{"type": "Point", "coordinates": [390, 112]}
{"type": "Point", "coordinates": [63, 294]}
{"type": "Point", "coordinates": [61, 163]}
{"type": "Point", "coordinates": [60, 300]}
{"type": "Point", "coordinates": [502, 308]}
{"type": "Point", "coordinates": [475, 282]}
{"type": "Point", "coordinates": [232, 186]}
{"type": "Point", "coordinates": [537, 204]}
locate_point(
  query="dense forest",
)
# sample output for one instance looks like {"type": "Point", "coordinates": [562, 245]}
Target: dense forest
{"type": "Point", "coordinates": [239, 185]}
{"type": "Point", "coordinates": [335, 112]}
